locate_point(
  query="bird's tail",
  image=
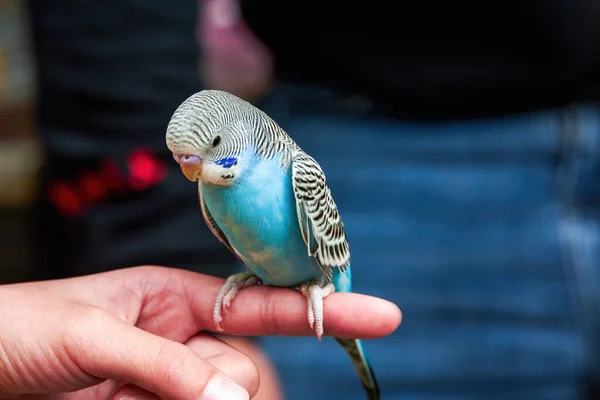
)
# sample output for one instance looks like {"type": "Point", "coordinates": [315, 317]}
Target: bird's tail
{"type": "Point", "coordinates": [356, 351]}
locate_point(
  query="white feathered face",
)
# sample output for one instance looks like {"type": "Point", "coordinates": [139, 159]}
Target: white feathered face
{"type": "Point", "coordinates": [216, 158]}
{"type": "Point", "coordinates": [209, 138]}
{"type": "Point", "coordinates": [219, 162]}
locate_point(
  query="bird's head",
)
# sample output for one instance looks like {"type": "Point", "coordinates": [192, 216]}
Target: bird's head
{"type": "Point", "coordinates": [208, 135]}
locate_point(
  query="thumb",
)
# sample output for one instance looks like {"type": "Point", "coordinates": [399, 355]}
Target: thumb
{"type": "Point", "coordinates": [109, 348]}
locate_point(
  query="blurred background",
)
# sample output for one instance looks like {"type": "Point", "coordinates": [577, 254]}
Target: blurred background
{"type": "Point", "coordinates": [461, 142]}
{"type": "Point", "coordinates": [233, 60]}
{"type": "Point", "coordinates": [20, 152]}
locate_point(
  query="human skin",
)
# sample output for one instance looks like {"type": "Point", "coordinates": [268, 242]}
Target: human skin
{"type": "Point", "coordinates": [144, 332]}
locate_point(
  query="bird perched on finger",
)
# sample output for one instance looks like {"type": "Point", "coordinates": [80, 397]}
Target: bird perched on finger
{"type": "Point", "coordinates": [268, 201]}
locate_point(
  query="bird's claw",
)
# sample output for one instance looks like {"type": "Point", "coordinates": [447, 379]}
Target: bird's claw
{"type": "Point", "coordinates": [228, 292]}
{"type": "Point", "coordinates": [315, 293]}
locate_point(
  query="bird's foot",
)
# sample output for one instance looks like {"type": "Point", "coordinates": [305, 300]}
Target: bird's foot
{"type": "Point", "coordinates": [315, 293]}
{"type": "Point", "coordinates": [228, 292]}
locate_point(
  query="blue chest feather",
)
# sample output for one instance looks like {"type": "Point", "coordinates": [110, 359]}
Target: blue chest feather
{"type": "Point", "coordinates": [258, 216]}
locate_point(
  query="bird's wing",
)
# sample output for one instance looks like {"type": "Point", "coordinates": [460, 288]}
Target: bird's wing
{"type": "Point", "coordinates": [214, 228]}
{"type": "Point", "coordinates": [320, 222]}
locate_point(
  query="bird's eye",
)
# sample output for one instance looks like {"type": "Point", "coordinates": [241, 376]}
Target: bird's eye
{"type": "Point", "coordinates": [216, 141]}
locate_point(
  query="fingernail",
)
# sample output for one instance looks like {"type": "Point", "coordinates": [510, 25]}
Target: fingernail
{"type": "Point", "coordinates": [222, 387]}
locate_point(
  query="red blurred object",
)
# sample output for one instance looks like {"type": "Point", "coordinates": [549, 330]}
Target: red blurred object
{"type": "Point", "coordinates": [145, 169]}
{"type": "Point", "coordinates": [65, 198]}
{"type": "Point", "coordinates": [111, 177]}
{"type": "Point", "coordinates": [93, 187]}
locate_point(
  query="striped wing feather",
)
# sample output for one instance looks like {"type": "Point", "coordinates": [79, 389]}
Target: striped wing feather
{"type": "Point", "coordinates": [318, 217]}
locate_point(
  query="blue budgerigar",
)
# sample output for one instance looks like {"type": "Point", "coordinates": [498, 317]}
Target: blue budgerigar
{"type": "Point", "coordinates": [269, 203]}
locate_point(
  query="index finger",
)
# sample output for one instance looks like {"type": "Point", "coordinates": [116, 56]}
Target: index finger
{"type": "Point", "coordinates": [266, 310]}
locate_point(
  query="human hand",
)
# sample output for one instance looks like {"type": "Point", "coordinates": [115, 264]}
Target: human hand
{"type": "Point", "coordinates": [140, 332]}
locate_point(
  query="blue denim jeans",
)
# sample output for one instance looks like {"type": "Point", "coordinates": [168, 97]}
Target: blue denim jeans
{"type": "Point", "coordinates": [486, 234]}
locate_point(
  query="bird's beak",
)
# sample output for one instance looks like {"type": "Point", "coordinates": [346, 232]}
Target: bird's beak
{"type": "Point", "coordinates": [192, 172]}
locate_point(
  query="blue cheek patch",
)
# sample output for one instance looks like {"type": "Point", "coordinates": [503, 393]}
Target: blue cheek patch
{"type": "Point", "coordinates": [227, 162]}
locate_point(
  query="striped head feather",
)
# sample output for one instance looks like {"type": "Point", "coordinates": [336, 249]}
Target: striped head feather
{"type": "Point", "coordinates": [213, 133]}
